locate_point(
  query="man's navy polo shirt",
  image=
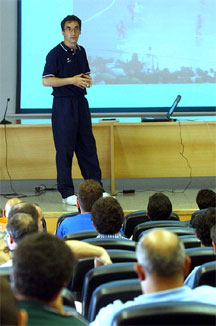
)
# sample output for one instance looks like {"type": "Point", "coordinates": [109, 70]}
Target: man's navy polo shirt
{"type": "Point", "coordinates": [62, 62]}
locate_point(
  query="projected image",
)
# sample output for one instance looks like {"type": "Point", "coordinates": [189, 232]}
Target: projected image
{"type": "Point", "coordinates": [151, 49]}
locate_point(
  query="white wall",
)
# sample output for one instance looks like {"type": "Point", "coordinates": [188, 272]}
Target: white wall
{"type": "Point", "coordinates": [8, 55]}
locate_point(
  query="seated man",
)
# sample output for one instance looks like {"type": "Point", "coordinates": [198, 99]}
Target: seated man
{"type": "Point", "coordinates": [205, 198]}
{"type": "Point", "coordinates": [18, 226]}
{"type": "Point", "coordinates": [213, 236]}
{"type": "Point", "coordinates": [42, 267]}
{"type": "Point", "coordinates": [107, 217]}
{"type": "Point", "coordinates": [28, 208]}
{"type": "Point", "coordinates": [160, 208]}
{"type": "Point", "coordinates": [4, 253]}
{"type": "Point", "coordinates": [9, 311]}
{"type": "Point", "coordinates": [88, 192]}
{"type": "Point", "coordinates": [203, 224]}
{"type": "Point", "coordinates": [161, 268]}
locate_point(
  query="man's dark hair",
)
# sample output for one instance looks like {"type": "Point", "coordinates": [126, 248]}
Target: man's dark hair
{"type": "Point", "coordinates": [203, 224]}
{"type": "Point", "coordinates": [26, 208]}
{"type": "Point", "coordinates": [71, 18]}
{"type": "Point", "coordinates": [213, 232]}
{"type": "Point", "coordinates": [8, 305]}
{"type": "Point", "coordinates": [42, 266]}
{"type": "Point", "coordinates": [88, 192]}
{"type": "Point", "coordinates": [206, 198]}
{"type": "Point", "coordinates": [20, 224]}
{"type": "Point", "coordinates": [107, 215]}
{"type": "Point", "coordinates": [159, 207]}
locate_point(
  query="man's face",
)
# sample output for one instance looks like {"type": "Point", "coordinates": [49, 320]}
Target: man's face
{"type": "Point", "coordinates": [71, 33]}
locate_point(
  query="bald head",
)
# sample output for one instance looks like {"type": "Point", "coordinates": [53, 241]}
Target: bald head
{"type": "Point", "coordinates": [10, 203]}
{"type": "Point", "coordinates": [160, 252]}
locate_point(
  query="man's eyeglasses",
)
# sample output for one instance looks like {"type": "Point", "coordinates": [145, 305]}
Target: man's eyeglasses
{"type": "Point", "coordinates": [76, 29]}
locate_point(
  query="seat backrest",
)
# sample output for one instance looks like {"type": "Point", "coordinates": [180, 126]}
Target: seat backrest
{"type": "Point", "coordinates": [100, 275]}
{"type": "Point", "coordinates": [190, 241]}
{"type": "Point", "coordinates": [200, 255]}
{"type": "Point", "coordinates": [62, 218]}
{"type": "Point", "coordinates": [105, 294]}
{"type": "Point", "coordinates": [132, 219]}
{"type": "Point", "coordinates": [169, 313]}
{"type": "Point", "coordinates": [206, 274]}
{"type": "Point", "coordinates": [157, 224]}
{"type": "Point", "coordinates": [84, 265]}
{"type": "Point", "coordinates": [123, 244]}
{"type": "Point", "coordinates": [81, 235]}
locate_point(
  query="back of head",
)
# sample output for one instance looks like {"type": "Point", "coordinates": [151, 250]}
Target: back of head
{"type": "Point", "coordinates": [161, 253]}
{"type": "Point", "coordinates": [42, 266]}
{"type": "Point", "coordinates": [206, 198]}
{"type": "Point", "coordinates": [107, 215]}
{"type": "Point", "coordinates": [159, 207]}
{"type": "Point", "coordinates": [8, 305]}
{"type": "Point", "coordinates": [88, 192]}
{"type": "Point", "coordinates": [20, 225]}
{"type": "Point", "coordinates": [26, 208]}
{"type": "Point", "coordinates": [203, 224]}
{"type": "Point", "coordinates": [10, 203]}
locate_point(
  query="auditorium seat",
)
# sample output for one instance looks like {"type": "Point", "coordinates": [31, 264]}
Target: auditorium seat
{"type": "Point", "coordinates": [157, 224]}
{"type": "Point", "coordinates": [206, 274]}
{"type": "Point", "coordinates": [105, 294]}
{"type": "Point", "coordinates": [166, 313]}
{"type": "Point", "coordinates": [123, 244]}
{"type": "Point", "coordinates": [81, 235]}
{"type": "Point", "coordinates": [200, 255]}
{"type": "Point", "coordinates": [103, 274]}
{"type": "Point", "coordinates": [190, 241]}
{"type": "Point", "coordinates": [132, 219]}
{"type": "Point", "coordinates": [85, 264]}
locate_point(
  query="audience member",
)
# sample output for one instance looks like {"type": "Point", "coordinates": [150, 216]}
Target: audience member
{"type": "Point", "coordinates": [10, 315]}
{"type": "Point", "coordinates": [42, 267]}
{"type": "Point", "coordinates": [203, 224]}
{"type": "Point", "coordinates": [213, 236]}
{"type": "Point", "coordinates": [88, 192]}
{"type": "Point", "coordinates": [28, 208]}
{"type": "Point", "coordinates": [107, 217]}
{"type": "Point", "coordinates": [18, 226]}
{"type": "Point", "coordinates": [205, 198]}
{"type": "Point", "coordinates": [9, 204]}
{"type": "Point", "coordinates": [161, 268]}
{"type": "Point", "coordinates": [4, 252]}
{"type": "Point", "coordinates": [160, 208]}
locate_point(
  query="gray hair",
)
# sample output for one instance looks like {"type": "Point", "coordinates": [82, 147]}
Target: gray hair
{"type": "Point", "coordinates": [163, 263]}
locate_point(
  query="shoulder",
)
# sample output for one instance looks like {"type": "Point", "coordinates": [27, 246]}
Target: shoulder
{"type": "Point", "coordinates": [55, 51]}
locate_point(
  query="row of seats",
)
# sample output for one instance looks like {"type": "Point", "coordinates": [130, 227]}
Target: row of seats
{"type": "Point", "coordinates": [86, 278]}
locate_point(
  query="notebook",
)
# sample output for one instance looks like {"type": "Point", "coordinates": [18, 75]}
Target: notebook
{"type": "Point", "coordinates": [167, 117]}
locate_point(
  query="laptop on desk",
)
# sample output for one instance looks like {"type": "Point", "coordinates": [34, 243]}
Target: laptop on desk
{"type": "Point", "coordinates": [167, 117]}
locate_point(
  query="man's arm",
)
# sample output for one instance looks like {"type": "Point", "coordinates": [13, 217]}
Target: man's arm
{"type": "Point", "coordinates": [83, 249]}
{"type": "Point", "coordinates": [81, 81]}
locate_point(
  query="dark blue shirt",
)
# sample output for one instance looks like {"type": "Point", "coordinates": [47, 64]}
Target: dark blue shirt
{"type": "Point", "coordinates": [63, 62]}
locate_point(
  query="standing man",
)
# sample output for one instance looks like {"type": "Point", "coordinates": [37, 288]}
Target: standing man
{"type": "Point", "coordinates": [67, 71]}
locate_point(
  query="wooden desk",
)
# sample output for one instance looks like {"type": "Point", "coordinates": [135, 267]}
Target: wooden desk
{"type": "Point", "coordinates": [125, 150]}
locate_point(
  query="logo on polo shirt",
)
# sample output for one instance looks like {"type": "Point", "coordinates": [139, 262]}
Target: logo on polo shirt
{"type": "Point", "coordinates": [68, 60]}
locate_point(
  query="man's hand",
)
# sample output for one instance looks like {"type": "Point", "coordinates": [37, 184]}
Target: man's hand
{"type": "Point", "coordinates": [82, 81]}
{"type": "Point", "coordinates": [103, 259]}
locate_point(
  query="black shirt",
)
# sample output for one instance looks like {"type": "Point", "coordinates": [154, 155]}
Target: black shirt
{"type": "Point", "coordinates": [63, 62]}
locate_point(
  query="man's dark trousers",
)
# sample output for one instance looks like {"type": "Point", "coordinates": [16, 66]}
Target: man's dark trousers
{"type": "Point", "coordinates": [72, 132]}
